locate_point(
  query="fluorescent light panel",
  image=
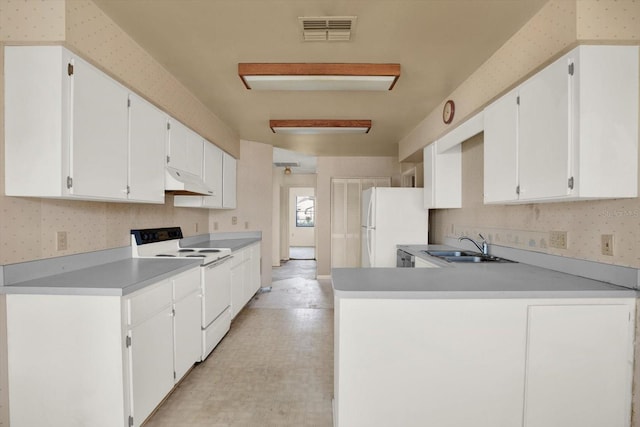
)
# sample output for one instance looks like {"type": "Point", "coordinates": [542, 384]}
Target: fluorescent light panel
{"type": "Point", "coordinates": [314, 127]}
{"type": "Point", "coordinates": [369, 77]}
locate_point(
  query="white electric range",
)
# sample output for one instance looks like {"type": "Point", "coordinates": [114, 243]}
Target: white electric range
{"type": "Point", "coordinates": [215, 277]}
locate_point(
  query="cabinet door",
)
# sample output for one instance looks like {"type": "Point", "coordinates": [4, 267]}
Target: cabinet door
{"type": "Point", "coordinates": [185, 149]}
{"type": "Point", "coordinates": [147, 133]}
{"type": "Point", "coordinates": [228, 181]}
{"type": "Point", "coordinates": [99, 141]}
{"type": "Point", "coordinates": [187, 333]}
{"type": "Point", "coordinates": [501, 150]}
{"type": "Point", "coordinates": [237, 287]}
{"type": "Point", "coordinates": [151, 362]}
{"type": "Point", "coordinates": [213, 175]}
{"type": "Point", "coordinates": [429, 154]}
{"type": "Point", "coordinates": [544, 133]}
{"type": "Point", "coordinates": [578, 366]}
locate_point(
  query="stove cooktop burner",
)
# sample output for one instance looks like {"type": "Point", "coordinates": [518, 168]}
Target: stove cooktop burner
{"type": "Point", "coordinates": [206, 251]}
{"type": "Point", "coordinates": [166, 255]}
{"type": "Point", "coordinates": [196, 256]}
{"type": "Point", "coordinates": [186, 250]}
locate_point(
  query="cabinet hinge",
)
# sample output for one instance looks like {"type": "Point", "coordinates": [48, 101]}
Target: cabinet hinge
{"type": "Point", "coordinates": [518, 100]}
{"type": "Point", "coordinates": [130, 421]}
{"type": "Point", "coordinates": [70, 69]}
{"type": "Point", "coordinates": [128, 102]}
{"type": "Point", "coordinates": [174, 375]}
{"type": "Point", "coordinates": [168, 126]}
{"type": "Point", "coordinates": [173, 312]}
{"type": "Point", "coordinates": [69, 182]}
{"type": "Point", "coordinates": [128, 342]}
{"type": "Point", "coordinates": [518, 189]}
{"type": "Point", "coordinates": [128, 189]}
{"type": "Point", "coordinates": [168, 159]}
{"type": "Point", "coordinates": [570, 183]}
{"type": "Point", "coordinates": [571, 69]}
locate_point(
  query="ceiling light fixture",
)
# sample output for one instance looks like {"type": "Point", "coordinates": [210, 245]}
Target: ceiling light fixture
{"type": "Point", "coordinates": [310, 127]}
{"type": "Point", "coordinates": [287, 170]}
{"type": "Point", "coordinates": [304, 76]}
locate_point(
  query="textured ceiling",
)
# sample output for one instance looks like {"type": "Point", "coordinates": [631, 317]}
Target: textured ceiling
{"type": "Point", "coordinates": [438, 43]}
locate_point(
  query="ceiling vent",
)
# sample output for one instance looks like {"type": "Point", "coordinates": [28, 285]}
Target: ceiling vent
{"type": "Point", "coordinates": [286, 164]}
{"type": "Point", "coordinates": [327, 28]}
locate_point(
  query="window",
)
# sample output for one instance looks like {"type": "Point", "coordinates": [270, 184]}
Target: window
{"type": "Point", "coordinates": [305, 211]}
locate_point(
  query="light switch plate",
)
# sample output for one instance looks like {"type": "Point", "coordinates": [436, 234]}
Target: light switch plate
{"type": "Point", "coordinates": [61, 241]}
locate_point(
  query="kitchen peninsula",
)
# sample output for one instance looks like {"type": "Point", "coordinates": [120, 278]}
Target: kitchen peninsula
{"type": "Point", "coordinates": [488, 345]}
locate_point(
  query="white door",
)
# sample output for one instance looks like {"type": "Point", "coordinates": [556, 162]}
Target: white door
{"type": "Point", "coordinates": [228, 181]}
{"type": "Point", "coordinates": [99, 141]}
{"type": "Point", "coordinates": [578, 366]}
{"type": "Point", "coordinates": [501, 149]}
{"type": "Point", "coordinates": [212, 175]}
{"type": "Point", "coordinates": [151, 361]}
{"type": "Point", "coordinates": [185, 149]}
{"type": "Point", "coordinates": [187, 320]}
{"type": "Point", "coordinates": [147, 133]}
{"type": "Point", "coordinates": [544, 133]}
{"type": "Point", "coordinates": [429, 154]}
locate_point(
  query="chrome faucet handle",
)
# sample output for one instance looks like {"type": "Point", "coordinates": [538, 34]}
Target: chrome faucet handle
{"type": "Point", "coordinates": [485, 245]}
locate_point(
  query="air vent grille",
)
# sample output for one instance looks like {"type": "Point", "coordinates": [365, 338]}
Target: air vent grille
{"type": "Point", "coordinates": [327, 28]}
{"type": "Point", "coordinates": [286, 164]}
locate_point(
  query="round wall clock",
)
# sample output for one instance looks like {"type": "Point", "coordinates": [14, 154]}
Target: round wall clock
{"type": "Point", "coordinates": [448, 111]}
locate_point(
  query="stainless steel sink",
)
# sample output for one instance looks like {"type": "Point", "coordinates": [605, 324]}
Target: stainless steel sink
{"type": "Point", "coordinates": [449, 253]}
{"type": "Point", "coordinates": [465, 256]}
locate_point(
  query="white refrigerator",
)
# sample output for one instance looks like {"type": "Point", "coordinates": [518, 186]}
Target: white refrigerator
{"type": "Point", "coordinates": [390, 217]}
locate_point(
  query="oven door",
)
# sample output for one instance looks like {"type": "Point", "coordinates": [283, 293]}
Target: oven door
{"type": "Point", "coordinates": [405, 259]}
{"type": "Point", "coordinates": [216, 284]}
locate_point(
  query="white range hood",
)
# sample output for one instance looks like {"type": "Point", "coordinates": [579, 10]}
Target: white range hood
{"type": "Point", "coordinates": [180, 182]}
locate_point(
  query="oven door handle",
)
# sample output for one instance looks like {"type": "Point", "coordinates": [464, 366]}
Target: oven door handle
{"type": "Point", "coordinates": [218, 262]}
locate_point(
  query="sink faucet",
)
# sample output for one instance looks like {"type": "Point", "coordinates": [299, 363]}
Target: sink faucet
{"type": "Point", "coordinates": [484, 248]}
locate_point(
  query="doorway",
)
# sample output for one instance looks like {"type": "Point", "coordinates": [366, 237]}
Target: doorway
{"type": "Point", "coordinates": [302, 218]}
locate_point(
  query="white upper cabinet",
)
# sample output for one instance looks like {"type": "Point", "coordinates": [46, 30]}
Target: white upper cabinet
{"type": "Point", "coordinates": [442, 176]}
{"type": "Point", "coordinates": [501, 149]}
{"type": "Point", "coordinates": [569, 132]}
{"type": "Point", "coordinates": [99, 122]}
{"type": "Point", "coordinates": [147, 133]}
{"type": "Point", "coordinates": [69, 131]}
{"type": "Point", "coordinates": [185, 149]}
{"type": "Point", "coordinates": [213, 175]}
{"type": "Point", "coordinates": [229, 165]}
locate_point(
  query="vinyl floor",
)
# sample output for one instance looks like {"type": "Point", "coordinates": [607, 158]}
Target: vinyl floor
{"type": "Point", "coordinates": [274, 368]}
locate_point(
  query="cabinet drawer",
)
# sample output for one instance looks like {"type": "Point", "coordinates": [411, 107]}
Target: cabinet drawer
{"type": "Point", "coordinates": [146, 304]}
{"type": "Point", "coordinates": [186, 284]}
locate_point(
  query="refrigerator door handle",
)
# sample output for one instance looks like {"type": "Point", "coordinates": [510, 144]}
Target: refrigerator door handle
{"type": "Point", "coordinates": [370, 246]}
{"type": "Point", "coordinates": [370, 211]}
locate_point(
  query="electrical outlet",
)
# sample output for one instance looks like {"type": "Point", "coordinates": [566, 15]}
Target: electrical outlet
{"type": "Point", "coordinates": [558, 239]}
{"type": "Point", "coordinates": [196, 227]}
{"type": "Point", "coordinates": [246, 225]}
{"type": "Point", "coordinates": [234, 220]}
{"type": "Point", "coordinates": [215, 225]}
{"type": "Point", "coordinates": [607, 244]}
{"type": "Point", "coordinates": [61, 241]}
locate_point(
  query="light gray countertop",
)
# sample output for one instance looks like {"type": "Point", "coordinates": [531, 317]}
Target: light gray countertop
{"type": "Point", "coordinates": [233, 244]}
{"type": "Point", "coordinates": [462, 280]}
{"type": "Point", "coordinates": [117, 278]}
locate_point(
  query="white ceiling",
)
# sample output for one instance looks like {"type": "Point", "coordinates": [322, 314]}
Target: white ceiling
{"type": "Point", "coordinates": [438, 43]}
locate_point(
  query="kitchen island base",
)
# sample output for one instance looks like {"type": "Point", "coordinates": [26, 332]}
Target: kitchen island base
{"type": "Point", "coordinates": [533, 362]}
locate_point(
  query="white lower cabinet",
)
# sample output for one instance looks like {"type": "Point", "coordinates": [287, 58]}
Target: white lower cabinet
{"type": "Point", "coordinates": [149, 346]}
{"type": "Point", "coordinates": [187, 296]}
{"type": "Point", "coordinates": [483, 363]}
{"type": "Point", "coordinates": [245, 276]}
{"type": "Point", "coordinates": [100, 361]}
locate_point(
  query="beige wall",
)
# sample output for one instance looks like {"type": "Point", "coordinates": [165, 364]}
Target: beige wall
{"type": "Point", "coordinates": [343, 167]}
{"type": "Point", "coordinates": [253, 212]}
